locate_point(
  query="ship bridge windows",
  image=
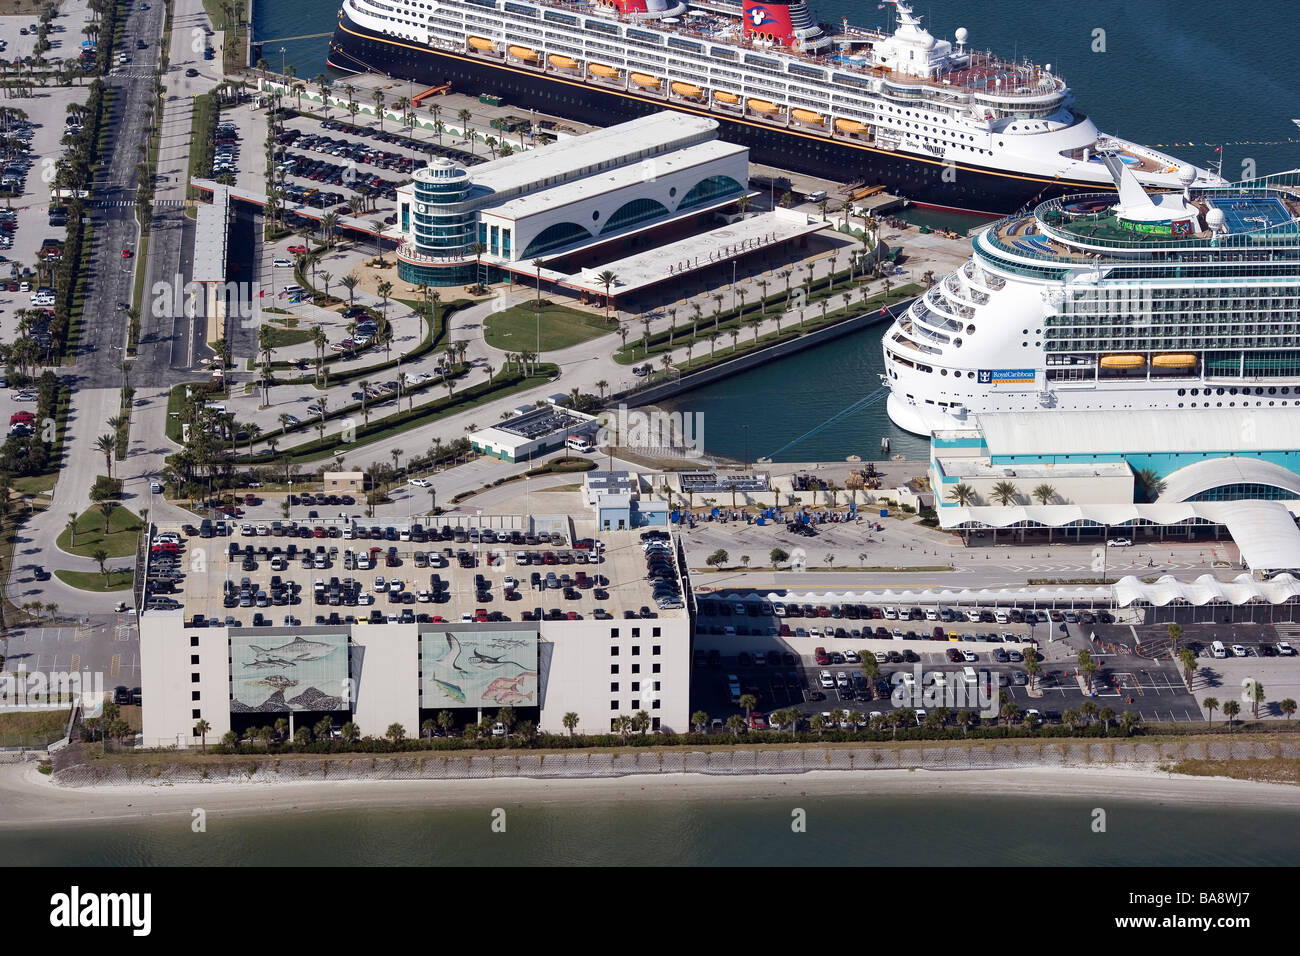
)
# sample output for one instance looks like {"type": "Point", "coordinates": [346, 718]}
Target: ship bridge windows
{"type": "Point", "coordinates": [723, 53]}
{"type": "Point", "coordinates": [644, 36]}
{"type": "Point", "coordinates": [520, 9]}
{"type": "Point", "coordinates": [600, 27]}
{"type": "Point", "coordinates": [555, 16]}
{"type": "Point", "coordinates": [677, 43]}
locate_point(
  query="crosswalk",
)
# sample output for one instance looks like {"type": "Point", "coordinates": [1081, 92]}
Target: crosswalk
{"type": "Point", "coordinates": [106, 203]}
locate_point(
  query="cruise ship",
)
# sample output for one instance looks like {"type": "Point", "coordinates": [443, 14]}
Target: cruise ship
{"type": "Point", "coordinates": [1122, 301]}
{"type": "Point", "coordinates": [934, 121]}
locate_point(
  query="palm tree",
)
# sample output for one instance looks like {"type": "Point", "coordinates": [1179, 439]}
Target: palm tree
{"type": "Point", "coordinates": [570, 722]}
{"type": "Point", "coordinates": [107, 444]}
{"type": "Point", "coordinates": [1288, 707]}
{"type": "Point", "coordinates": [608, 279]}
{"type": "Point", "coordinates": [1230, 710]}
{"type": "Point", "coordinates": [1211, 705]}
{"type": "Point", "coordinates": [349, 282]}
{"type": "Point", "coordinates": [1188, 660]}
{"type": "Point", "coordinates": [201, 730]}
{"type": "Point", "coordinates": [99, 557]}
{"type": "Point", "coordinates": [378, 97]}
{"type": "Point", "coordinates": [71, 528]}
{"type": "Point", "coordinates": [700, 720]}
{"type": "Point", "coordinates": [1150, 482]}
{"type": "Point", "coordinates": [1005, 493]}
{"type": "Point", "coordinates": [962, 493]}
{"type": "Point", "coordinates": [106, 508]}
{"type": "Point", "coordinates": [1044, 493]}
{"type": "Point", "coordinates": [1256, 697]}
{"type": "Point", "coordinates": [747, 703]}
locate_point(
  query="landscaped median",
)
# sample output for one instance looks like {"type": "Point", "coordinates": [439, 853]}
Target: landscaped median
{"type": "Point", "coordinates": [118, 541]}
{"type": "Point", "coordinates": [695, 334]}
{"type": "Point", "coordinates": [95, 581]}
{"type": "Point", "coordinates": [503, 384]}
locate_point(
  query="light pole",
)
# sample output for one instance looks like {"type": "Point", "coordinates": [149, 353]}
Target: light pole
{"type": "Point", "coordinates": [282, 61]}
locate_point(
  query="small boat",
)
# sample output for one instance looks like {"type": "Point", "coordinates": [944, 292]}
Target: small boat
{"type": "Point", "coordinates": [600, 69]}
{"type": "Point", "coordinates": [523, 53]}
{"type": "Point", "coordinates": [808, 116]}
{"type": "Point", "coordinates": [564, 62]}
{"type": "Point", "coordinates": [480, 43]}
{"type": "Point", "coordinates": [1174, 360]}
{"type": "Point", "coordinates": [850, 126]}
{"type": "Point", "coordinates": [646, 80]}
{"type": "Point", "coordinates": [722, 96]}
{"type": "Point", "coordinates": [762, 106]}
{"type": "Point", "coordinates": [1122, 361]}
{"type": "Point", "coordinates": [687, 89]}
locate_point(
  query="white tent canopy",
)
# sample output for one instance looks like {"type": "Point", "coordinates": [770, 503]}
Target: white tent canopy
{"type": "Point", "coordinates": [1206, 589]}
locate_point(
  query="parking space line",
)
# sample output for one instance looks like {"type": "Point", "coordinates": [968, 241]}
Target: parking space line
{"type": "Point", "coordinates": [75, 666]}
{"type": "Point", "coordinates": [115, 667]}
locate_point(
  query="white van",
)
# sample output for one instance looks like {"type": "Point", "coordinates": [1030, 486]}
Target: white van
{"type": "Point", "coordinates": [969, 674]}
{"type": "Point", "coordinates": [931, 614]}
{"type": "Point", "coordinates": [1218, 650]}
{"type": "Point", "coordinates": [579, 444]}
{"type": "Point", "coordinates": [1001, 616]}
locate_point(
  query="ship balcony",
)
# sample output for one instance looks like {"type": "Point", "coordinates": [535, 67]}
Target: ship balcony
{"type": "Point", "coordinates": [964, 291]}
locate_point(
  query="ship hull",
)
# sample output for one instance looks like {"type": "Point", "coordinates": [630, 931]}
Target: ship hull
{"type": "Point", "coordinates": [921, 181]}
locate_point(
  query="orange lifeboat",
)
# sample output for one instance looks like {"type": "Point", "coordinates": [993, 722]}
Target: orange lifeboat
{"type": "Point", "coordinates": [600, 69]}
{"type": "Point", "coordinates": [480, 43]}
{"type": "Point", "coordinates": [646, 80]}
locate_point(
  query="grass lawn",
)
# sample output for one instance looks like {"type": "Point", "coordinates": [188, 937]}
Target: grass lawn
{"type": "Point", "coordinates": [123, 530]}
{"type": "Point", "coordinates": [94, 581]}
{"type": "Point", "coordinates": [282, 337]}
{"type": "Point", "coordinates": [515, 329]}
{"type": "Point", "coordinates": [31, 728]}
{"type": "Point", "coordinates": [36, 484]}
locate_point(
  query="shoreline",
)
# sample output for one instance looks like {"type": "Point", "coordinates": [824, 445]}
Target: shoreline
{"type": "Point", "coordinates": [32, 799]}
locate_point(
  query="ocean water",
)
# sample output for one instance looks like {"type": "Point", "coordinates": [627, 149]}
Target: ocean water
{"type": "Point", "coordinates": [867, 829]}
{"type": "Point", "coordinates": [1183, 75]}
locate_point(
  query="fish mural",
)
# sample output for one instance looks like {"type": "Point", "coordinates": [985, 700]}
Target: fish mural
{"type": "Point", "coordinates": [299, 649]}
{"type": "Point", "coordinates": [451, 690]}
{"type": "Point", "coordinates": [277, 681]}
{"type": "Point", "coordinates": [300, 674]}
{"type": "Point", "coordinates": [513, 691]}
{"type": "Point", "coordinates": [476, 669]}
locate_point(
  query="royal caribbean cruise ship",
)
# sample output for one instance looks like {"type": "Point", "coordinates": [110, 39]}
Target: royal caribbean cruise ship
{"type": "Point", "coordinates": [1123, 301]}
{"type": "Point", "coordinates": [931, 120]}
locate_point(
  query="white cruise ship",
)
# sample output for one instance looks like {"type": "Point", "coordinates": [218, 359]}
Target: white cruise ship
{"type": "Point", "coordinates": [1124, 301]}
{"type": "Point", "coordinates": [933, 120]}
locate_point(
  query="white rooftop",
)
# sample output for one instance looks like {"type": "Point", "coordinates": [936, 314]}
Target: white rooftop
{"type": "Point", "coordinates": [700, 251]}
{"type": "Point", "coordinates": [627, 143]}
{"type": "Point", "coordinates": [1159, 430]}
{"type": "Point", "coordinates": [612, 180]}
{"type": "Point", "coordinates": [1266, 533]}
{"type": "Point", "coordinates": [212, 227]}
{"type": "Point", "coordinates": [982, 468]}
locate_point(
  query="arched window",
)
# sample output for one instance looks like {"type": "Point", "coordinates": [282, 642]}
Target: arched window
{"type": "Point", "coordinates": [708, 189]}
{"type": "Point", "coordinates": [635, 212]}
{"type": "Point", "coordinates": [553, 237]}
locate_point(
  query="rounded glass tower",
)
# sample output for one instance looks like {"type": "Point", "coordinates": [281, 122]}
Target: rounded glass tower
{"type": "Point", "coordinates": [442, 236]}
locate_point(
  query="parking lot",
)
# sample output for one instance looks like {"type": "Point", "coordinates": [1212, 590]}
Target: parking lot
{"type": "Point", "coordinates": [25, 223]}
{"type": "Point", "coordinates": [103, 645]}
{"type": "Point", "coordinates": [1155, 691]}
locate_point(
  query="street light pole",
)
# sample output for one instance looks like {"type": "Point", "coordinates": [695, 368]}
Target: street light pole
{"type": "Point", "coordinates": [282, 61]}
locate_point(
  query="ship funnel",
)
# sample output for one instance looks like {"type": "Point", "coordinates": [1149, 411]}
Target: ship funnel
{"type": "Point", "coordinates": [769, 18]}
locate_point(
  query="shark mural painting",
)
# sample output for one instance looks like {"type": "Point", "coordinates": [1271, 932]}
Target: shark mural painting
{"type": "Point", "coordinates": [276, 675]}
{"type": "Point", "coordinates": [479, 668]}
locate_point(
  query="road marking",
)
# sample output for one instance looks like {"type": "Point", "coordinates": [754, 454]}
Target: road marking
{"type": "Point", "coordinates": [75, 666]}
{"type": "Point", "coordinates": [115, 668]}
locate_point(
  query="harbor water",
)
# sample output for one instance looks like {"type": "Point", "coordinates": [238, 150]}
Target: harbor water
{"type": "Point", "coordinates": [1180, 76]}
{"type": "Point", "coordinates": [846, 831]}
